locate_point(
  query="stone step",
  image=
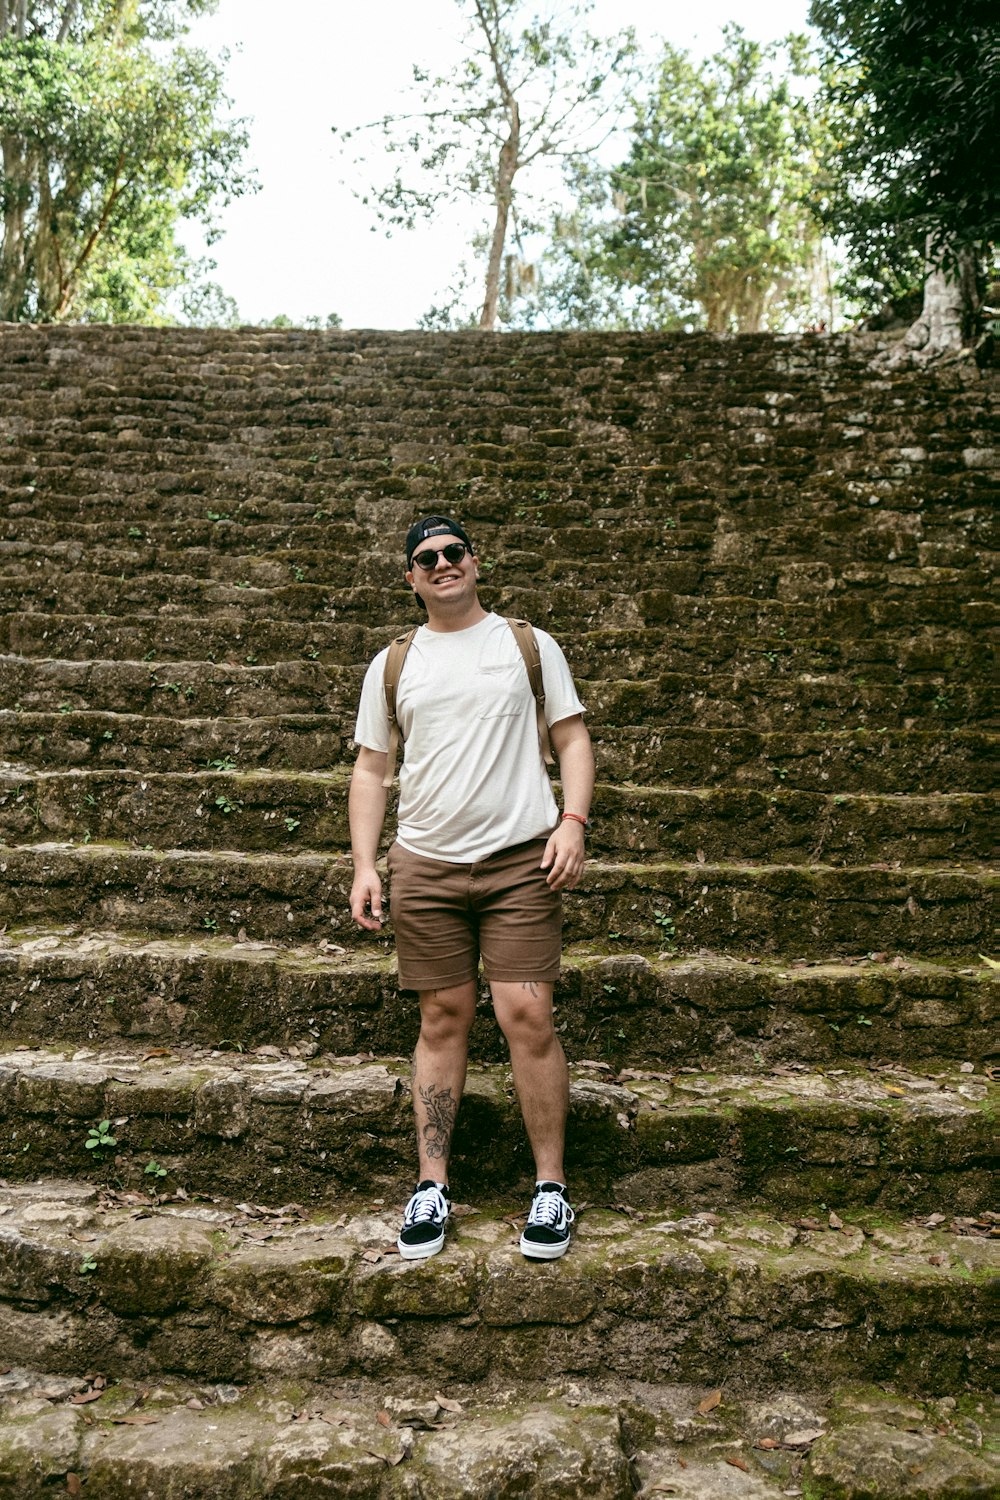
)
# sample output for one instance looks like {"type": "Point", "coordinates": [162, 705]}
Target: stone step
{"type": "Point", "coordinates": [603, 1438]}
{"type": "Point", "coordinates": [639, 1009]}
{"type": "Point", "coordinates": [222, 1293]}
{"type": "Point", "coordinates": [930, 597]}
{"type": "Point", "coordinates": [258, 811]}
{"type": "Point", "coordinates": [882, 761]}
{"type": "Point", "coordinates": [700, 632]}
{"type": "Point", "coordinates": [818, 910]}
{"type": "Point", "coordinates": [277, 1126]}
{"type": "Point", "coordinates": [821, 519]}
{"type": "Point", "coordinates": [765, 699]}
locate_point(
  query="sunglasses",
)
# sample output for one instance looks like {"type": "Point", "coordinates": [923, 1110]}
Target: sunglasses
{"type": "Point", "coordinates": [453, 553]}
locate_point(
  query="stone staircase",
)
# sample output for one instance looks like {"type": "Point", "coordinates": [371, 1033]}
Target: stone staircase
{"type": "Point", "coordinates": [770, 570]}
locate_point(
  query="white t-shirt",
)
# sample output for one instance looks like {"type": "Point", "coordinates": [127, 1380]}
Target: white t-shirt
{"type": "Point", "coordinates": [472, 781]}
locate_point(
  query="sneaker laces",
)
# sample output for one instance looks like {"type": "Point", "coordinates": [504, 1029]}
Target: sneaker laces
{"type": "Point", "coordinates": [547, 1207]}
{"type": "Point", "coordinates": [426, 1204]}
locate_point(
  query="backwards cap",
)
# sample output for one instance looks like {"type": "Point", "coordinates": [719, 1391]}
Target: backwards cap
{"type": "Point", "coordinates": [433, 526]}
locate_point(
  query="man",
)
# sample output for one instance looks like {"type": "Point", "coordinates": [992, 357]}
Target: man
{"type": "Point", "coordinates": [481, 857]}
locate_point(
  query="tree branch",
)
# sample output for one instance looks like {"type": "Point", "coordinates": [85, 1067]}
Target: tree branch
{"type": "Point", "coordinates": [67, 20]}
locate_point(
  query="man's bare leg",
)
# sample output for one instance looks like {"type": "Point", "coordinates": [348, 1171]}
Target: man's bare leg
{"type": "Point", "coordinates": [524, 1011]}
{"type": "Point", "coordinates": [439, 1067]}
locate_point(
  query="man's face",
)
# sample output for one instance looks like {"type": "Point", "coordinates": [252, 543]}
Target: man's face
{"type": "Point", "coordinates": [446, 583]}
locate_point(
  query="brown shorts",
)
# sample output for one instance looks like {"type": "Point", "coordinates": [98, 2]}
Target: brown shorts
{"type": "Point", "coordinates": [447, 916]}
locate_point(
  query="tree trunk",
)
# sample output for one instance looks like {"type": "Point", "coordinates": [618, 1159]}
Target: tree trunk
{"type": "Point", "coordinates": [946, 319]}
{"type": "Point", "coordinates": [14, 250]}
{"type": "Point", "coordinates": [505, 178]}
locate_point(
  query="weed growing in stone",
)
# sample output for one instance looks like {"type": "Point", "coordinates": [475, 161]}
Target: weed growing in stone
{"type": "Point", "coordinates": [153, 1169]}
{"type": "Point", "coordinates": [292, 823]}
{"type": "Point", "coordinates": [87, 1265]}
{"type": "Point", "coordinates": [210, 924]}
{"type": "Point", "coordinates": [226, 805]}
{"type": "Point", "coordinates": [224, 763]}
{"type": "Point", "coordinates": [99, 1137]}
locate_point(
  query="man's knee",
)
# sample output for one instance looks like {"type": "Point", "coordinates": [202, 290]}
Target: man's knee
{"type": "Point", "coordinates": [524, 1012]}
{"type": "Point", "coordinates": [446, 1015]}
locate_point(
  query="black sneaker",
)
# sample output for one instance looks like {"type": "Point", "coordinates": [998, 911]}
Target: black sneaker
{"type": "Point", "coordinates": [546, 1234]}
{"type": "Point", "coordinates": [424, 1220]}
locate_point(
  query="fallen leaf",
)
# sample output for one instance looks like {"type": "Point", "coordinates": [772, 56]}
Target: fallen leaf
{"type": "Point", "coordinates": [937, 1260]}
{"type": "Point", "coordinates": [739, 1463]}
{"type": "Point", "coordinates": [803, 1438]}
{"type": "Point", "coordinates": [446, 1404]}
{"type": "Point", "coordinates": [835, 1222]}
{"type": "Point", "coordinates": [141, 1419]}
{"type": "Point", "coordinates": [711, 1401]}
{"type": "Point", "coordinates": [878, 958]}
{"type": "Point", "coordinates": [808, 1224]}
{"type": "Point", "coordinates": [73, 1484]}
{"type": "Point", "coordinates": [700, 856]}
{"type": "Point", "coordinates": [372, 1256]}
{"type": "Point", "coordinates": [156, 1052]}
{"type": "Point", "coordinates": [383, 1418]}
{"type": "Point", "coordinates": [895, 1092]}
{"type": "Point", "coordinates": [767, 1444]}
{"type": "Point", "coordinates": [82, 1397]}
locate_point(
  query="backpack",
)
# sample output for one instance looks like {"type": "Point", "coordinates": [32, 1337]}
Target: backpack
{"type": "Point", "coordinates": [527, 643]}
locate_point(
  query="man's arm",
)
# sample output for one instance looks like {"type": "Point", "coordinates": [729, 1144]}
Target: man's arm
{"type": "Point", "coordinates": [366, 813]}
{"type": "Point", "coordinates": [564, 853]}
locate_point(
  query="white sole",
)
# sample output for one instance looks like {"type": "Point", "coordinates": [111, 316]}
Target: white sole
{"type": "Point", "coordinates": [420, 1252]}
{"type": "Point", "coordinates": [534, 1251]}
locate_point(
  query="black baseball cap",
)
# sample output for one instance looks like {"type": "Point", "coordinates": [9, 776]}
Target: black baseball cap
{"type": "Point", "coordinates": [433, 526]}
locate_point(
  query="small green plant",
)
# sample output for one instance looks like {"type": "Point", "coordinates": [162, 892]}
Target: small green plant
{"type": "Point", "coordinates": [298, 573]}
{"type": "Point", "coordinates": [90, 800]}
{"type": "Point", "coordinates": [226, 805]}
{"type": "Point", "coordinates": [153, 1169]}
{"type": "Point", "coordinates": [217, 515]}
{"type": "Point", "coordinates": [224, 763]}
{"type": "Point", "coordinates": [610, 989]}
{"type": "Point", "coordinates": [250, 660]}
{"type": "Point", "coordinates": [136, 533]}
{"type": "Point", "coordinates": [292, 823]}
{"type": "Point", "coordinates": [87, 1265]}
{"type": "Point", "coordinates": [320, 515]}
{"type": "Point", "coordinates": [149, 655]}
{"type": "Point", "coordinates": [65, 708]}
{"type": "Point", "coordinates": [86, 836]}
{"type": "Point", "coordinates": [863, 1020]}
{"type": "Point", "coordinates": [941, 702]}
{"type": "Point", "coordinates": [670, 524]}
{"type": "Point", "coordinates": [210, 924]}
{"type": "Point", "coordinates": [312, 652]}
{"type": "Point", "coordinates": [665, 923]}
{"type": "Point", "coordinates": [778, 771]}
{"type": "Point", "coordinates": [108, 735]}
{"type": "Point", "coordinates": [99, 1137]}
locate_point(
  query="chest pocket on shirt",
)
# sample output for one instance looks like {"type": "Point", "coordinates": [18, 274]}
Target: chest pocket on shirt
{"type": "Point", "coordinates": [504, 690]}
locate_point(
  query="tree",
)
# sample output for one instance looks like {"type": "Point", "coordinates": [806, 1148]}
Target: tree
{"type": "Point", "coordinates": [526, 91]}
{"type": "Point", "coordinates": [915, 85]}
{"type": "Point", "coordinates": [710, 218]}
{"type": "Point", "coordinates": [108, 138]}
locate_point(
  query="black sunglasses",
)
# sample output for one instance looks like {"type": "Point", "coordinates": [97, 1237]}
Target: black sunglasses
{"type": "Point", "coordinates": [453, 553]}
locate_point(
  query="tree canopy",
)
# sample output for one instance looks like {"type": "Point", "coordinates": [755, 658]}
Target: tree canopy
{"type": "Point", "coordinates": [709, 219]}
{"type": "Point", "coordinates": [110, 132]}
{"type": "Point", "coordinates": [914, 88]}
{"type": "Point", "coordinates": [532, 85]}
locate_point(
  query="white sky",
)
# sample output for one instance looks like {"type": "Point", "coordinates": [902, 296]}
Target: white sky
{"type": "Point", "coordinates": [303, 244]}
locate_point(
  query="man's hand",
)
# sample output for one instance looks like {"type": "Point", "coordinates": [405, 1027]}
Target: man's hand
{"type": "Point", "coordinates": [366, 895]}
{"type": "Point", "coordinates": [564, 857]}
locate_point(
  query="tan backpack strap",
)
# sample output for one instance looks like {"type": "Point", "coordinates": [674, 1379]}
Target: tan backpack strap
{"type": "Point", "coordinates": [527, 642]}
{"type": "Point", "coordinates": [393, 672]}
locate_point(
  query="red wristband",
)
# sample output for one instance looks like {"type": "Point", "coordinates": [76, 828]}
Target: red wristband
{"type": "Point", "coordinates": [575, 818]}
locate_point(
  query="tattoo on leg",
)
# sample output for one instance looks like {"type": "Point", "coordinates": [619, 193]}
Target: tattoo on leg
{"type": "Point", "coordinates": [441, 1109]}
{"type": "Point", "coordinates": [531, 987]}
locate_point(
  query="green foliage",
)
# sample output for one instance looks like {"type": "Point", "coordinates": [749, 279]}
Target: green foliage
{"type": "Point", "coordinates": [914, 90]}
{"type": "Point", "coordinates": [533, 85]}
{"type": "Point", "coordinates": [710, 220]}
{"type": "Point", "coordinates": [107, 141]}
